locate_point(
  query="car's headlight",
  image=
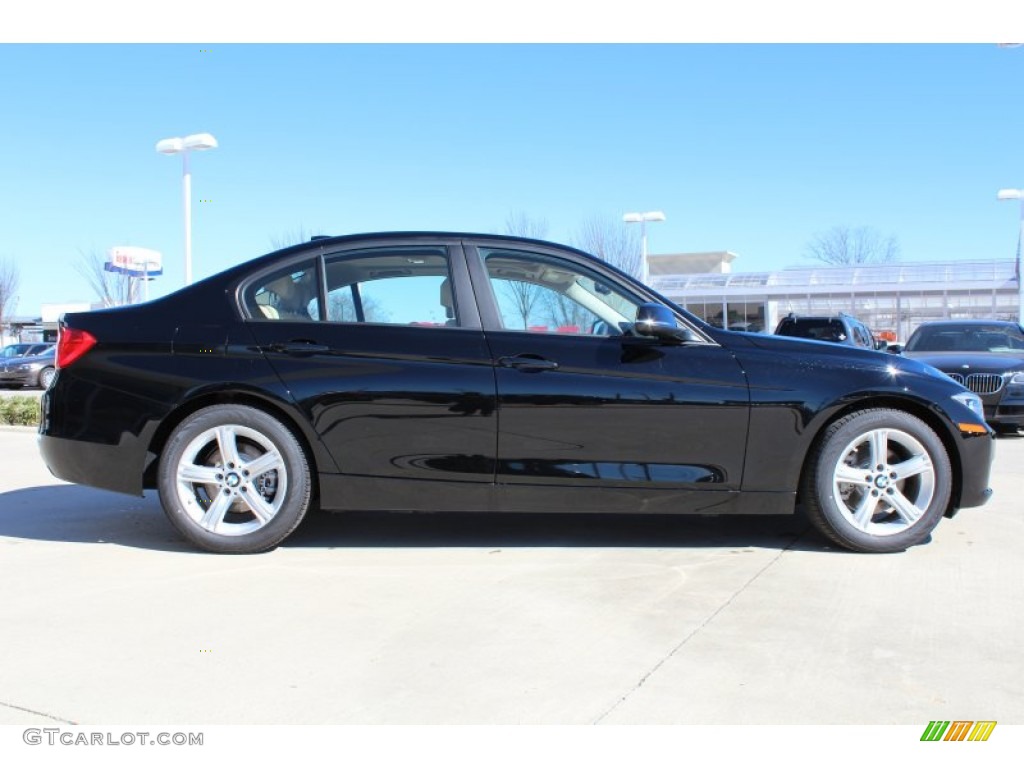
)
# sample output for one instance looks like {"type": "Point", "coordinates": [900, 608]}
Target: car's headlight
{"type": "Point", "coordinates": [1018, 378]}
{"type": "Point", "coordinates": [972, 401]}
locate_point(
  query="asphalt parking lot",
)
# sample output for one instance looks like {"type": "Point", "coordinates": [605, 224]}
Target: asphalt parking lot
{"type": "Point", "coordinates": [107, 616]}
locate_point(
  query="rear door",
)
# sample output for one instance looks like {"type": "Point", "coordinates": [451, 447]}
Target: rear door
{"type": "Point", "coordinates": [381, 346]}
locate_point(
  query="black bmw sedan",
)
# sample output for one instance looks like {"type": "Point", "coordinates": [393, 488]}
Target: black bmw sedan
{"type": "Point", "coordinates": [458, 372]}
{"type": "Point", "coordinates": [986, 356]}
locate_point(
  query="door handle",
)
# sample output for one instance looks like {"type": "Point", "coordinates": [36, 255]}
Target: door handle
{"type": "Point", "coordinates": [299, 348]}
{"type": "Point", "coordinates": [527, 363]}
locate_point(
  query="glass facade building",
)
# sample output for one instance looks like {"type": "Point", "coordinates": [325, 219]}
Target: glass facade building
{"type": "Point", "coordinates": [892, 299]}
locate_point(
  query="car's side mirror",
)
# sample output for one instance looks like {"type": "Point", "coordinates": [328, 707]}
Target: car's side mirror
{"type": "Point", "coordinates": [881, 345]}
{"type": "Point", "coordinates": [658, 321]}
{"type": "Point", "coordinates": [895, 349]}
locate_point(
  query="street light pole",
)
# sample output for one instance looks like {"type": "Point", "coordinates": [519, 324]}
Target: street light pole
{"type": "Point", "coordinates": [642, 219]}
{"type": "Point", "coordinates": [186, 188]}
{"type": "Point", "coordinates": [1017, 194]}
{"type": "Point", "coordinates": [195, 142]}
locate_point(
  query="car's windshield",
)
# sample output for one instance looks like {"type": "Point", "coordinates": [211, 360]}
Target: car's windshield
{"type": "Point", "coordinates": [822, 329]}
{"type": "Point", "coordinates": [966, 338]}
{"type": "Point", "coordinates": [15, 350]}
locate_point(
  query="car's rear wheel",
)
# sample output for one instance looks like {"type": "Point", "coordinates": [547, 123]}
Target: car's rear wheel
{"type": "Point", "coordinates": [877, 481]}
{"type": "Point", "coordinates": [234, 479]}
{"type": "Point", "coordinates": [46, 377]}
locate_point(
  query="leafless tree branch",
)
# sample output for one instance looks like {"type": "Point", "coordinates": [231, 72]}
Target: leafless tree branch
{"type": "Point", "coordinates": [112, 289]}
{"type": "Point", "coordinates": [852, 245]}
{"type": "Point", "coordinates": [612, 242]}
{"type": "Point", "coordinates": [521, 225]}
{"type": "Point", "coordinates": [10, 279]}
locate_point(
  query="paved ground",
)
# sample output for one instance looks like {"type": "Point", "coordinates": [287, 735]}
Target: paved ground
{"type": "Point", "coordinates": [106, 616]}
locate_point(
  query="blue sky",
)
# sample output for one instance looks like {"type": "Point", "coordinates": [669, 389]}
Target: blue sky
{"type": "Point", "coordinates": [751, 148]}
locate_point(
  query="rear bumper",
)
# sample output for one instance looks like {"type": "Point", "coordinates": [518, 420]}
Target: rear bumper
{"type": "Point", "coordinates": [112, 467]}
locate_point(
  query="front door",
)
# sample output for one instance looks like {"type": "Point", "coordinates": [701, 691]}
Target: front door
{"type": "Point", "coordinates": [593, 417]}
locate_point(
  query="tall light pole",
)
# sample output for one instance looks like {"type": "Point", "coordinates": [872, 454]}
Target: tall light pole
{"type": "Point", "coordinates": [642, 219]}
{"type": "Point", "coordinates": [1017, 194]}
{"type": "Point", "coordinates": [195, 142]}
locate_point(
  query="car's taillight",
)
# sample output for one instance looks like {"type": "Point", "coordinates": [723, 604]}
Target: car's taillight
{"type": "Point", "coordinates": [72, 344]}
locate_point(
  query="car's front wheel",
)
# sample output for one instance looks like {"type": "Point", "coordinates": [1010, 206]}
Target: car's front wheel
{"type": "Point", "coordinates": [46, 377]}
{"type": "Point", "coordinates": [234, 479]}
{"type": "Point", "coordinates": [877, 481]}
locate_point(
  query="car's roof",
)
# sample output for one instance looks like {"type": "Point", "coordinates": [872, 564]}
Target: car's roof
{"type": "Point", "coordinates": [816, 317]}
{"type": "Point", "coordinates": [966, 323]}
{"type": "Point", "coordinates": [324, 242]}
{"type": "Point", "coordinates": [432, 234]}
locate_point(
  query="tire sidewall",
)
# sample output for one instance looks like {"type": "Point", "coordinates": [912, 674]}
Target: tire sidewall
{"type": "Point", "coordinates": [298, 490]}
{"type": "Point", "coordinates": [831, 509]}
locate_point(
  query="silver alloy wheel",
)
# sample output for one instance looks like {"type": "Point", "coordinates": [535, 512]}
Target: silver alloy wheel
{"type": "Point", "coordinates": [46, 377]}
{"type": "Point", "coordinates": [884, 481]}
{"type": "Point", "coordinates": [231, 480]}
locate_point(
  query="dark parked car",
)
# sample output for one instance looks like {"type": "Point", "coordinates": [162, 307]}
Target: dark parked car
{"type": "Point", "coordinates": [838, 329]}
{"type": "Point", "coordinates": [35, 370]}
{"type": "Point", "coordinates": [986, 356]}
{"type": "Point", "coordinates": [457, 372]}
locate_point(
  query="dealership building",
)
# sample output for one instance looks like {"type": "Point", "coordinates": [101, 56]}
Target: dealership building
{"type": "Point", "coordinates": [892, 299]}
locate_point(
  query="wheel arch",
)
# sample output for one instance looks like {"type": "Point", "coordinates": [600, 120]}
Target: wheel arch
{"type": "Point", "coordinates": [42, 373]}
{"type": "Point", "coordinates": [314, 454]}
{"type": "Point", "coordinates": [924, 411]}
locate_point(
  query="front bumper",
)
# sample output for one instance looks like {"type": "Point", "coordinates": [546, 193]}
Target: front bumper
{"type": "Point", "coordinates": [27, 378]}
{"type": "Point", "coordinates": [1006, 407]}
{"type": "Point", "coordinates": [976, 455]}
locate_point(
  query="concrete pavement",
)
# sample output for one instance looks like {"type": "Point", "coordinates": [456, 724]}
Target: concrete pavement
{"type": "Point", "coordinates": [107, 616]}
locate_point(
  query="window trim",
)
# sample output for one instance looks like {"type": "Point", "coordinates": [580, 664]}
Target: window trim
{"type": "Point", "coordinates": [463, 291]}
{"type": "Point", "coordinates": [488, 303]}
{"type": "Point", "coordinates": [243, 307]}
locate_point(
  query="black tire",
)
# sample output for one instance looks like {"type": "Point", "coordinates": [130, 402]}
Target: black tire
{"type": "Point", "coordinates": [46, 377]}
{"type": "Point", "coordinates": [249, 501]}
{"type": "Point", "coordinates": [867, 504]}
{"type": "Point", "coordinates": [1006, 429]}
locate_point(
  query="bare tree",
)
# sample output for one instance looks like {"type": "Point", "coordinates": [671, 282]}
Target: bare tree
{"type": "Point", "coordinates": [342, 308]}
{"type": "Point", "coordinates": [521, 295]}
{"type": "Point", "coordinates": [852, 245]}
{"type": "Point", "coordinates": [612, 242]}
{"type": "Point", "coordinates": [567, 315]}
{"type": "Point", "coordinates": [10, 278]}
{"type": "Point", "coordinates": [521, 225]}
{"type": "Point", "coordinates": [113, 289]}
